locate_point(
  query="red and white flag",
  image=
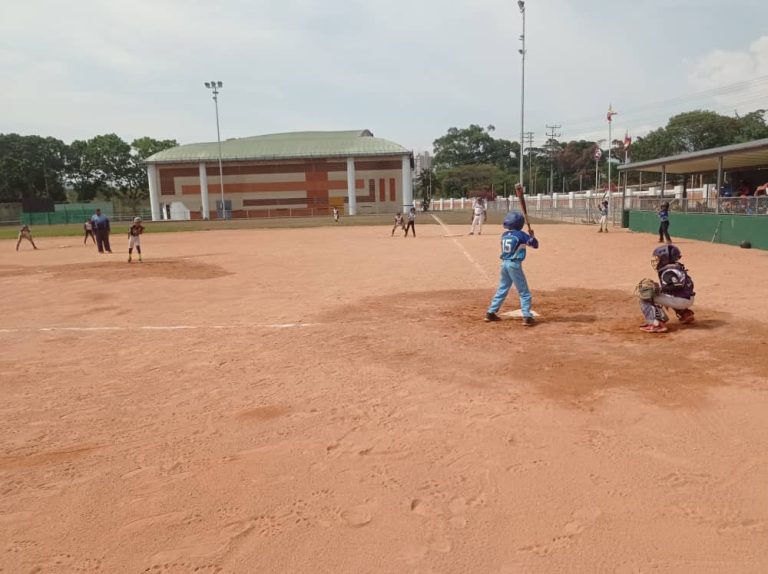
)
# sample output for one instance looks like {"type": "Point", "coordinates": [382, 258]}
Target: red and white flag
{"type": "Point", "coordinates": [611, 113]}
{"type": "Point", "coordinates": [627, 140]}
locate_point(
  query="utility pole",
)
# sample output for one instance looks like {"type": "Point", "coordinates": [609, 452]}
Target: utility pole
{"type": "Point", "coordinates": [529, 143]}
{"type": "Point", "coordinates": [551, 135]}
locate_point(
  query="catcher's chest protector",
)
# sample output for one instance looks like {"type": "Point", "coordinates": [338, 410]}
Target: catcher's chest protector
{"type": "Point", "coordinates": [674, 277]}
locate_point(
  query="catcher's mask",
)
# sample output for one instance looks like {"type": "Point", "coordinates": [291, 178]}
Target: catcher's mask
{"type": "Point", "coordinates": [665, 255]}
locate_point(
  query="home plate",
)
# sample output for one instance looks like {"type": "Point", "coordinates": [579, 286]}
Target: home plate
{"type": "Point", "coordinates": [518, 313]}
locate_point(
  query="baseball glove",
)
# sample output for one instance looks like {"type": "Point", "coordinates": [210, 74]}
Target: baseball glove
{"type": "Point", "coordinates": [646, 289]}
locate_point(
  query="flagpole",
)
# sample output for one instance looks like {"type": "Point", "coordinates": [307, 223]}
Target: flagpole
{"type": "Point", "coordinates": [610, 140]}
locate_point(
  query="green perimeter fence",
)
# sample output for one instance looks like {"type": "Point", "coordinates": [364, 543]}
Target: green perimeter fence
{"type": "Point", "coordinates": [67, 213]}
{"type": "Point", "coordinates": [728, 229]}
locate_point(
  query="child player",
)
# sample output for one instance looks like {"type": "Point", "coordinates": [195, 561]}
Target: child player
{"type": "Point", "coordinates": [603, 207]}
{"type": "Point", "coordinates": [134, 238]}
{"type": "Point", "coordinates": [25, 233]}
{"type": "Point", "coordinates": [399, 223]}
{"type": "Point", "coordinates": [675, 291]}
{"type": "Point", "coordinates": [513, 250]}
{"type": "Point", "coordinates": [664, 222]}
{"type": "Point", "coordinates": [88, 230]}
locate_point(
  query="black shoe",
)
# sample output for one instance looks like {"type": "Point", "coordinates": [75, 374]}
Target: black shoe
{"type": "Point", "coordinates": [489, 317]}
{"type": "Point", "coordinates": [528, 321]}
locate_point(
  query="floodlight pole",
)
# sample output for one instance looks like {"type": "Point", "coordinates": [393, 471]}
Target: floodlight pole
{"type": "Point", "coordinates": [521, 5]}
{"type": "Point", "coordinates": [215, 87]}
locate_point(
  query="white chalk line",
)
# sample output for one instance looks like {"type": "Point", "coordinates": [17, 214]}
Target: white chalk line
{"type": "Point", "coordinates": [460, 246]}
{"type": "Point", "coordinates": [157, 328]}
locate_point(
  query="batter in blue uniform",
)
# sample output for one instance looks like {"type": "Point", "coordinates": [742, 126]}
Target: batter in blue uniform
{"type": "Point", "coordinates": [514, 243]}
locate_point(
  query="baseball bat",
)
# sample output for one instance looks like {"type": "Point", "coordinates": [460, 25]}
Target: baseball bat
{"type": "Point", "coordinates": [520, 192]}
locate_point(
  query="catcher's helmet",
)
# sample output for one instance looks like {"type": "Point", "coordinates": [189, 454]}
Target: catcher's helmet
{"type": "Point", "coordinates": [514, 220]}
{"type": "Point", "coordinates": [666, 254]}
{"type": "Point", "coordinates": [137, 219]}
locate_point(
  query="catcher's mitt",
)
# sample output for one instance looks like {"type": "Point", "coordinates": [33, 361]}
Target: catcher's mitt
{"type": "Point", "coordinates": [646, 289]}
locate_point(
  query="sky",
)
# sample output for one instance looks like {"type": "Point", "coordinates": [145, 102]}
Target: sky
{"type": "Point", "coordinates": [408, 70]}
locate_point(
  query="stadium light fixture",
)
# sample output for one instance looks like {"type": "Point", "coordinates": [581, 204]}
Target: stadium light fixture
{"type": "Point", "coordinates": [215, 87]}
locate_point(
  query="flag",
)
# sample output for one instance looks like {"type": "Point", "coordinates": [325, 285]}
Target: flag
{"type": "Point", "coordinates": [627, 140]}
{"type": "Point", "coordinates": [611, 113]}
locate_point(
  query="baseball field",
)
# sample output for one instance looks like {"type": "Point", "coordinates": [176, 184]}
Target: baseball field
{"type": "Point", "coordinates": [330, 400]}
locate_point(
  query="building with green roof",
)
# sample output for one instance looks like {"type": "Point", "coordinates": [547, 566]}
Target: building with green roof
{"type": "Point", "coordinates": [288, 174]}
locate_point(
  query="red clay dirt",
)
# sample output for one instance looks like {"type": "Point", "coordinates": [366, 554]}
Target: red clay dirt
{"type": "Point", "coordinates": [330, 400]}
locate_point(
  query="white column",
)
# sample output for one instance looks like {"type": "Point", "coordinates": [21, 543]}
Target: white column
{"type": "Point", "coordinates": [154, 191]}
{"type": "Point", "coordinates": [407, 188]}
{"type": "Point", "coordinates": [351, 193]}
{"type": "Point", "coordinates": [206, 214]}
{"type": "Point", "coordinates": [571, 195]}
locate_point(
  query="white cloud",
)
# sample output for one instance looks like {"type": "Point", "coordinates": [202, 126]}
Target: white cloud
{"type": "Point", "coordinates": [406, 70]}
{"type": "Point", "coordinates": [736, 79]}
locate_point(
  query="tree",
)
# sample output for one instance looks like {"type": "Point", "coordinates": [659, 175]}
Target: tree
{"type": "Point", "coordinates": [699, 130]}
{"type": "Point", "coordinates": [426, 184]}
{"type": "Point", "coordinates": [474, 145]}
{"type": "Point", "coordinates": [461, 181]}
{"type": "Point", "coordinates": [101, 165]}
{"type": "Point", "coordinates": [752, 127]}
{"type": "Point", "coordinates": [137, 188]}
{"type": "Point", "coordinates": [31, 167]}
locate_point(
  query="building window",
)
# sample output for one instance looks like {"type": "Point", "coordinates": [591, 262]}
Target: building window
{"type": "Point", "coordinates": [371, 190]}
{"type": "Point", "coordinates": [392, 190]}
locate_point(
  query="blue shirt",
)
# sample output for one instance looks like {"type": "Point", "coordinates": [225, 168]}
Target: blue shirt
{"type": "Point", "coordinates": [664, 215]}
{"type": "Point", "coordinates": [100, 221]}
{"type": "Point", "coordinates": [513, 245]}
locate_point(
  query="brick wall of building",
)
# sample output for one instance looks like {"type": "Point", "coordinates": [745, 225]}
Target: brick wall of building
{"type": "Point", "coordinates": [258, 189]}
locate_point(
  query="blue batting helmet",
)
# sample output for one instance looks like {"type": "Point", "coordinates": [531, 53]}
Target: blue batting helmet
{"type": "Point", "coordinates": [514, 220]}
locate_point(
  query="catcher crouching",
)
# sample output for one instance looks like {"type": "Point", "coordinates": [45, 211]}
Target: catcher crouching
{"type": "Point", "coordinates": [674, 290]}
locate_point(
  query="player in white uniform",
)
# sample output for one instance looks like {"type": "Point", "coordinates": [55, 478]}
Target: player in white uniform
{"type": "Point", "coordinates": [478, 216]}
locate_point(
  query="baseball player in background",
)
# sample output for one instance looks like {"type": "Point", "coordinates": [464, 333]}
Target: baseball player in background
{"type": "Point", "coordinates": [25, 233]}
{"type": "Point", "coordinates": [478, 216]}
{"type": "Point", "coordinates": [134, 238]}
{"type": "Point", "coordinates": [411, 222]}
{"type": "Point", "coordinates": [513, 250]}
{"type": "Point", "coordinates": [603, 207]}
{"type": "Point", "coordinates": [399, 224]}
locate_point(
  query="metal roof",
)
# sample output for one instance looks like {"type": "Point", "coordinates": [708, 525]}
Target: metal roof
{"type": "Point", "coordinates": [737, 156]}
{"type": "Point", "coordinates": [292, 145]}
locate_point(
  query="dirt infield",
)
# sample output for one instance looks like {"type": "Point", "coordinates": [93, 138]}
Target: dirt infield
{"type": "Point", "coordinates": [330, 400]}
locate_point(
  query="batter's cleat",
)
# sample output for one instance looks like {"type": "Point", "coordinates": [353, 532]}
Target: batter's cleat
{"type": "Point", "coordinates": [660, 328]}
{"type": "Point", "coordinates": [528, 321]}
{"type": "Point", "coordinates": [129, 259]}
{"type": "Point", "coordinates": [140, 259]}
{"type": "Point", "coordinates": [599, 230]}
{"type": "Point", "coordinates": [686, 316]}
{"type": "Point", "coordinates": [490, 317]}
